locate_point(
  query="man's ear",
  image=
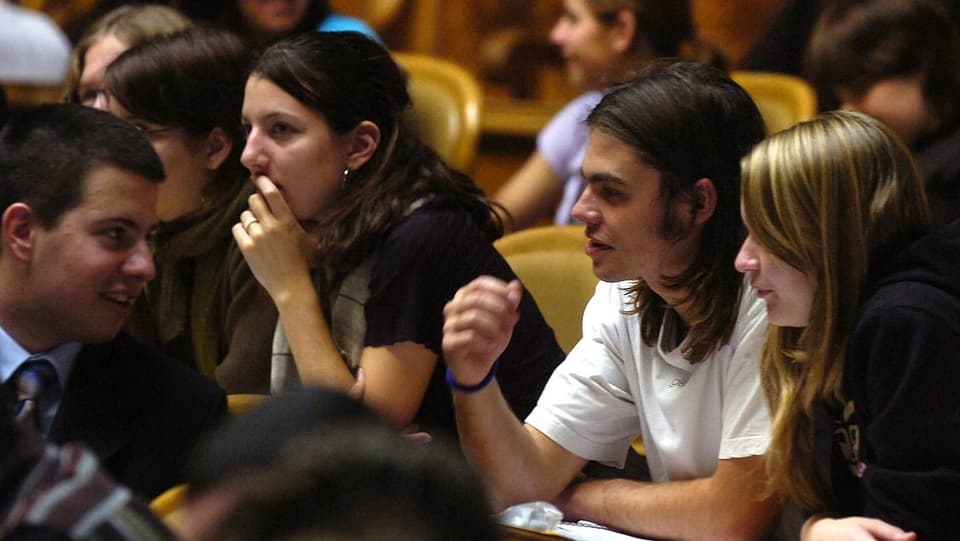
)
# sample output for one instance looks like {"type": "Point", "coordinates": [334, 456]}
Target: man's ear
{"type": "Point", "coordinates": [364, 140]}
{"type": "Point", "coordinates": [18, 227]}
{"type": "Point", "coordinates": [218, 147]}
{"type": "Point", "coordinates": [704, 200]}
{"type": "Point", "coordinates": [624, 31]}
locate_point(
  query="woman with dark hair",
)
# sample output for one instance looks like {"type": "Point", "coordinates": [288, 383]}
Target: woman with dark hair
{"type": "Point", "coordinates": [263, 22]}
{"type": "Point", "coordinates": [185, 91]}
{"type": "Point", "coordinates": [603, 42]}
{"type": "Point", "coordinates": [351, 204]}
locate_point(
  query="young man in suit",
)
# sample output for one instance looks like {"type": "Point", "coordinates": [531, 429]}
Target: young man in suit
{"type": "Point", "coordinates": [78, 193]}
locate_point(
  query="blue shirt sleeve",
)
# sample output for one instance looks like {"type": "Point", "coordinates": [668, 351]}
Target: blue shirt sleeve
{"type": "Point", "coordinates": [341, 23]}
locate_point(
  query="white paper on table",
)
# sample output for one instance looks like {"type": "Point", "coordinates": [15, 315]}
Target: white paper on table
{"type": "Point", "coordinates": [588, 531]}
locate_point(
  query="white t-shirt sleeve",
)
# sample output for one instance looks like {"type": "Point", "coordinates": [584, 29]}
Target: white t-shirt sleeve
{"type": "Point", "coordinates": [587, 406]}
{"type": "Point", "coordinates": [746, 418]}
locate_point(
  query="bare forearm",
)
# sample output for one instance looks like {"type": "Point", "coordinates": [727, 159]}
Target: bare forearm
{"type": "Point", "coordinates": [695, 509]}
{"type": "Point", "coordinates": [506, 453]}
{"type": "Point", "coordinates": [316, 354]}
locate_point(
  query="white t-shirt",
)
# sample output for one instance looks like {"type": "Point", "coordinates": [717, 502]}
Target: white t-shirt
{"type": "Point", "coordinates": [612, 387]}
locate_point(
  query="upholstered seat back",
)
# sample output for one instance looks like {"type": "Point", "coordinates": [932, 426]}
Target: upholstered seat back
{"type": "Point", "coordinates": [552, 264]}
{"type": "Point", "coordinates": [446, 107]}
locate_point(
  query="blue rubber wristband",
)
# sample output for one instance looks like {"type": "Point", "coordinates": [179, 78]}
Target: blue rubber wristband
{"type": "Point", "coordinates": [468, 389]}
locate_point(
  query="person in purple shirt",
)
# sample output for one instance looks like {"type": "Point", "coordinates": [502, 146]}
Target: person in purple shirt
{"type": "Point", "coordinates": [602, 43]}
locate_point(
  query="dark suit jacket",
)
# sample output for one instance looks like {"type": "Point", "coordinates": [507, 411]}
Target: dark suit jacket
{"type": "Point", "coordinates": [139, 412]}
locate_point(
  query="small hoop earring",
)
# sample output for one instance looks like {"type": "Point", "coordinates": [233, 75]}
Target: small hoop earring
{"type": "Point", "coordinates": [346, 175]}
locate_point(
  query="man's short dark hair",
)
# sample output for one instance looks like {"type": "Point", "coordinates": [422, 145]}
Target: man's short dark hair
{"type": "Point", "coordinates": [47, 152]}
{"type": "Point", "coordinates": [316, 464]}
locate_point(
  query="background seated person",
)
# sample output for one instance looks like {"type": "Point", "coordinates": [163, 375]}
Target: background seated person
{"type": "Point", "coordinates": [899, 61]}
{"type": "Point", "coordinates": [261, 23]}
{"type": "Point", "coordinates": [603, 42]}
{"type": "Point", "coordinates": [108, 36]}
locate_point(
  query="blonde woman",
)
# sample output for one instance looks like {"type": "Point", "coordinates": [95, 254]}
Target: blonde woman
{"type": "Point", "coordinates": [108, 37]}
{"type": "Point", "coordinates": [861, 364]}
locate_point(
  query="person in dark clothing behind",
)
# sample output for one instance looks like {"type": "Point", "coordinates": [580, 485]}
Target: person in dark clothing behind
{"type": "Point", "coordinates": [781, 46]}
{"type": "Point", "coordinates": [899, 61]}
{"type": "Point", "coordinates": [862, 363]}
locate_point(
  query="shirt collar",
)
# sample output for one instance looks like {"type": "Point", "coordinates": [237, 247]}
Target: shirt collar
{"type": "Point", "coordinates": [12, 355]}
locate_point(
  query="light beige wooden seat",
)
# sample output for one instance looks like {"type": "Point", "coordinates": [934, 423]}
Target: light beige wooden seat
{"type": "Point", "coordinates": [446, 106]}
{"type": "Point", "coordinates": [551, 263]}
{"type": "Point", "coordinates": [783, 100]}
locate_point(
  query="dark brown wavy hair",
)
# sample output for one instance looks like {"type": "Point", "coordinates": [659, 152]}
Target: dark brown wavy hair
{"type": "Point", "coordinates": [192, 80]}
{"type": "Point", "coordinates": [348, 78]}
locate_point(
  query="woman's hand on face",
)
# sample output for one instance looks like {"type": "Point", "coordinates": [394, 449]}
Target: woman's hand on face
{"type": "Point", "coordinates": [820, 528]}
{"type": "Point", "coordinates": [276, 247]}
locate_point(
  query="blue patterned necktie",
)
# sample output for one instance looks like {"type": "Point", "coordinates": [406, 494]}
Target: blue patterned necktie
{"type": "Point", "coordinates": [37, 386]}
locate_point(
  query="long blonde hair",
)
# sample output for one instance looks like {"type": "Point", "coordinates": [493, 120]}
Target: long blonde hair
{"type": "Point", "coordinates": [831, 197]}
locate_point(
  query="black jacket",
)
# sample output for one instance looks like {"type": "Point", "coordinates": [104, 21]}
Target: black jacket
{"type": "Point", "coordinates": [892, 451]}
{"type": "Point", "coordinates": [140, 413]}
{"type": "Point", "coordinates": [938, 157]}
